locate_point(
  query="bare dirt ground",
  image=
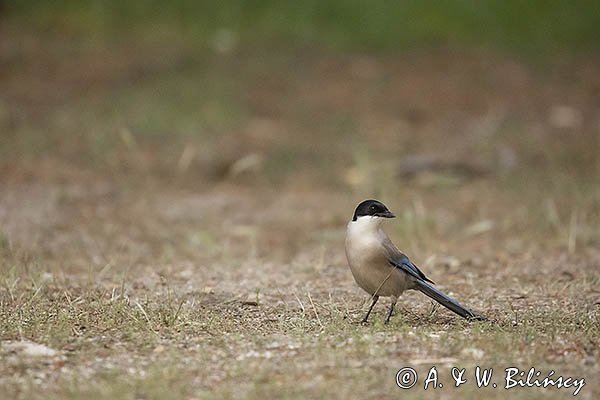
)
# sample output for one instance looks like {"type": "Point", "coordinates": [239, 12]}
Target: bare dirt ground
{"type": "Point", "coordinates": [172, 220]}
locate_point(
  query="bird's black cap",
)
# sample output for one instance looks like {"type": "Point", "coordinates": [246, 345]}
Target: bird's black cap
{"type": "Point", "coordinates": [372, 208]}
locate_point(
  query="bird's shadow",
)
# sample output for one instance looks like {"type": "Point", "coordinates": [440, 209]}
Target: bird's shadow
{"type": "Point", "coordinates": [403, 316]}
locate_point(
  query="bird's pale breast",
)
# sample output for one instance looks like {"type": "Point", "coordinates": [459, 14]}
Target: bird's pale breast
{"type": "Point", "coordinates": [368, 262]}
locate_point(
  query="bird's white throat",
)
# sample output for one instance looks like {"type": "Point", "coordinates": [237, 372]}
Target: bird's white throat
{"type": "Point", "coordinates": [364, 226]}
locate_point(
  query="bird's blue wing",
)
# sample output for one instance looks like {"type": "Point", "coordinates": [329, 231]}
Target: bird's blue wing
{"type": "Point", "coordinates": [407, 266]}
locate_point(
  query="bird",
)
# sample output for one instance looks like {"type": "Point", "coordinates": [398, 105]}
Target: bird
{"type": "Point", "coordinates": [380, 269]}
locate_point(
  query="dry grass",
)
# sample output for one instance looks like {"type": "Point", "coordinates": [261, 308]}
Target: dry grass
{"type": "Point", "coordinates": [172, 226]}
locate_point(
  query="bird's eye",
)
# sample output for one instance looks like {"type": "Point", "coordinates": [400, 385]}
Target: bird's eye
{"type": "Point", "coordinates": [373, 208]}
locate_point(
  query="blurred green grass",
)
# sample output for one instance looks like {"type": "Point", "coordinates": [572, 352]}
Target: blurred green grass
{"type": "Point", "coordinates": [523, 26]}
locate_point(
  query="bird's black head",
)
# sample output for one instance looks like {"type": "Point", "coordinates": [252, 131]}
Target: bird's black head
{"type": "Point", "coordinates": [372, 208]}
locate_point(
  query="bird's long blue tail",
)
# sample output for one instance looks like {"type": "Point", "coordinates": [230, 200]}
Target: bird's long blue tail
{"type": "Point", "coordinates": [447, 301]}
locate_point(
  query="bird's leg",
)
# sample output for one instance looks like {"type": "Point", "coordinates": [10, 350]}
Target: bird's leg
{"type": "Point", "coordinates": [366, 318]}
{"type": "Point", "coordinates": [391, 311]}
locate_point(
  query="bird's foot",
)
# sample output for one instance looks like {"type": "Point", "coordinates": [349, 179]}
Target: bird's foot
{"type": "Point", "coordinates": [389, 314]}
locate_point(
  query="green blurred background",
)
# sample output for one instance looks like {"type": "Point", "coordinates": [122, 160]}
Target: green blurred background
{"type": "Point", "coordinates": [533, 25]}
{"type": "Point", "coordinates": [196, 86]}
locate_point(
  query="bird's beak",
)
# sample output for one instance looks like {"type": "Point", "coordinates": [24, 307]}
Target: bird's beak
{"type": "Point", "coordinates": [386, 214]}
